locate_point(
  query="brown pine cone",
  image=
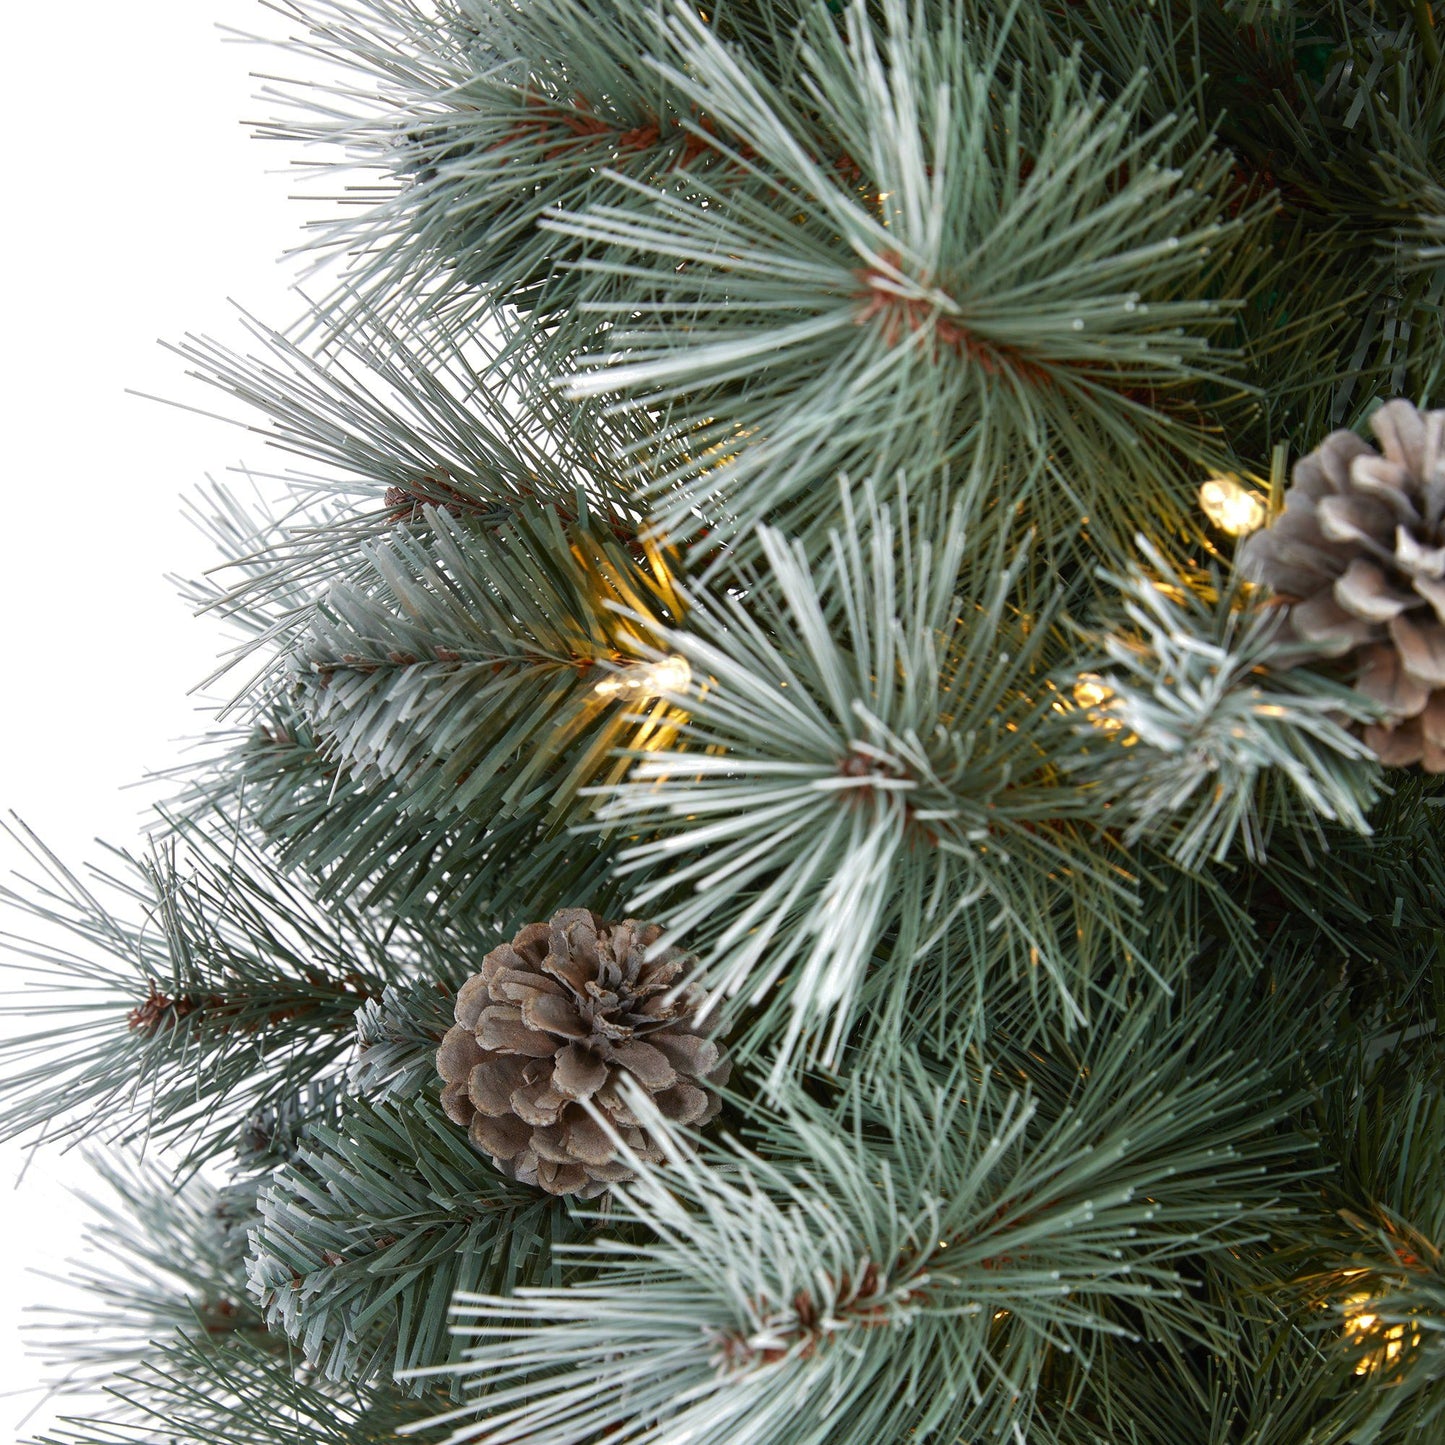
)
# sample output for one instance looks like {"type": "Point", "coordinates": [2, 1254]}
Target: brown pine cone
{"type": "Point", "coordinates": [559, 1016]}
{"type": "Point", "coordinates": [1359, 554]}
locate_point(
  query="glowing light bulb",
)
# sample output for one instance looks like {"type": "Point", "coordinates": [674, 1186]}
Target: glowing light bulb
{"type": "Point", "coordinates": [1232, 506]}
{"type": "Point", "coordinates": [1092, 691]}
{"type": "Point", "coordinates": [647, 679]}
{"type": "Point", "coordinates": [1094, 697]}
{"type": "Point", "coordinates": [1360, 1326]}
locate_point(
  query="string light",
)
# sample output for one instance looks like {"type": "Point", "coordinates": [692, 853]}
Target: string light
{"type": "Point", "coordinates": [1231, 506]}
{"type": "Point", "coordinates": [647, 679]}
{"type": "Point", "coordinates": [1094, 696]}
{"type": "Point", "coordinates": [1092, 691]}
{"type": "Point", "coordinates": [1360, 1326]}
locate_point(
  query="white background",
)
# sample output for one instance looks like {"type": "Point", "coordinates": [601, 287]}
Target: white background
{"type": "Point", "coordinates": [136, 204]}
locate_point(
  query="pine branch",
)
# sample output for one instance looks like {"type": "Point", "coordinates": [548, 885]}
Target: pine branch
{"type": "Point", "coordinates": [1206, 702]}
{"type": "Point", "coordinates": [366, 1237]}
{"type": "Point", "coordinates": [359, 843]}
{"type": "Point", "coordinates": [1373, 1288]}
{"type": "Point", "coordinates": [830, 325]}
{"type": "Point", "coordinates": [397, 1037]}
{"type": "Point", "coordinates": [163, 1263]}
{"type": "Point", "coordinates": [1365, 909]}
{"type": "Point", "coordinates": [1279, 1388]}
{"type": "Point", "coordinates": [270, 1136]}
{"type": "Point", "coordinates": [475, 122]}
{"type": "Point", "coordinates": [207, 1392]}
{"type": "Point", "coordinates": [220, 989]}
{"type": "Point", "coordinates": [1339, 111]}
{"type": "Point", "coordinates": [936, 1235]}
{"type": "Point", "coordinates": [471, 670]}
{"type": "Point", "coordinates": [866, 759]}
{"type": "Point", "coordinates": [397, 424]}
{"type": "Point", "coordinates": [1096, 1001]}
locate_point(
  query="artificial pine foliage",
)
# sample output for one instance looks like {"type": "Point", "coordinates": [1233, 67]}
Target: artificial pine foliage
{"type": "Point", "coordinates": [775, 469]}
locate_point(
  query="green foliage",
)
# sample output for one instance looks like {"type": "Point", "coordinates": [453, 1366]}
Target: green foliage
{"type": "Point", "coordinates": [1275, 1388]}
{"type": "Point", "coordinates": [396, 1036]}
{"type": "Point", "coordinates": [380, 1219]}
{"type": "Point", "coordinates": [476, 120]}
{"type": "Point", "coordinates": [269, 1137]}
{"type": "Point", "coordinates": [1337, 111]}
{"type": "Point", "coordinates": [161, 1263]}
{"type": "Point", "coordinates": [465, 667]}
{"type": "Point", "coordinates": [861, 758]}
{"type": "Point", "coordinates": [214, 985]}
{"type": "Point", "coordinates": [356, 841]}
{"type": "Point", "coordinates": [1209, 720]}
{"type": "Point", "coordinates": [1384, 1259]}
{"type": "Point", "coordinates": [903, 1259]}
{"type": "Point", "coordinates": [1050, 317]}
{"type": "Point", "coordinates": [389, 424]}
{"type": "Point", "coordinates": [209, 1392]}
{"type": "Point", "coordinates": [1366, 910]}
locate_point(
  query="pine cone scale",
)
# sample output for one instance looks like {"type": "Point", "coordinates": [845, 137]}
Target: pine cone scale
{"type": "Point", "coordinates": [546, 1013]}
{"type": "Point", "coordinates": [1422, 650]}
{"type": "Point", "coordinates": [550, 1143]}
{"type": "Point", "coordinates": [572, 973]}
{"type": "Point", "coordinates": [588, 1143]}
{"type": "Point", "coordinates": [503, 1138]}
{"type": "Point", "coordinates": [1388, 483]}
{"type": "Point", "coordinates": [1383, 678]}
{"type": "Point", "coordinates": [1418, 561]}
{"type": "Point", "coordinates": [493, 1082]}
{"type": "Point", "coordinates": [1364, 590]}
{"type": "Point", "coordinates": [472, 998]}
{"type": "Point", "coordinates": [689, 1053]}
{"type": "Point", "coordinates": [559, 1178]}
{"type": "Point", "coordinates": [538, 1103]}
{"type": "Point", "coordinates": [645, 1063]}
{"type": "Point", "coordinates": [579, 1072]}
{"type": "Point", "coordinates": [458, 1055]}
{"type": "Point", "coordinates": [456, 1105]}
{"type": "Point", "coordinates": [520, 987]}
{"type": "Point", "coordinates": [501, 1029]}
{"type": "Point", "coordinates": [684, 1103]}
{"type": "Point", "coordinates": [1332, 629]}
{"type": "Point", "coordinates": [1432, 724]}
{"type": "Point", "coordinates": [1433, 592]}
{"type": "Point", "coordinates": [1358, 521]}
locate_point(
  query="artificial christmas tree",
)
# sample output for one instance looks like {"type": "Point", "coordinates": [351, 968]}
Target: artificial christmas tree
{"type": "Point", "coordinates": [774, 474]}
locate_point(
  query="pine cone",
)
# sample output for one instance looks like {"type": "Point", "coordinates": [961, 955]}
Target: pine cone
{"type": "Point", "coordinates": [558, 1016]}
{"type": "Point", "coordinates": [1359, 553]}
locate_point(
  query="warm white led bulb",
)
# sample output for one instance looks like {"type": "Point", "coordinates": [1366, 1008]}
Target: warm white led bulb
{"type": "Point", "coordinates": [647, 679]}
{"type": "Point", "coordinates": [1232, 506]}
{"type": "Point", "coordinates": [1091, 691]}
{"type": "Point", "coordinates": [1360, 1325]}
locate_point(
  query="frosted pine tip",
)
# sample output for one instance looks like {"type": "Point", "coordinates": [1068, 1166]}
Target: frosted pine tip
{"type": "Point", "coordinates": [1232, 506]}
{"type": "Point", "coordinates": [647, 679]}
